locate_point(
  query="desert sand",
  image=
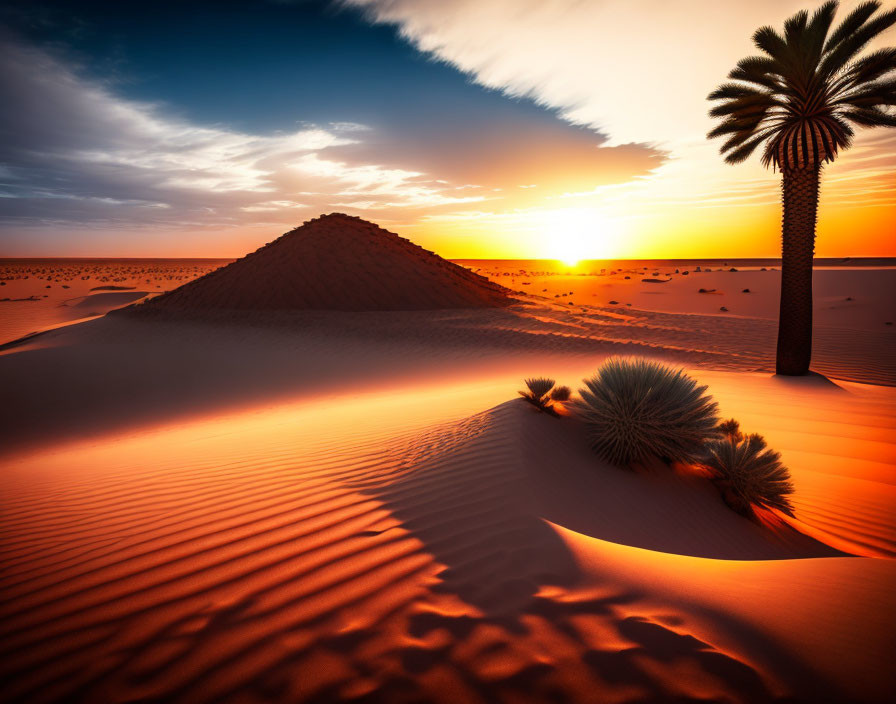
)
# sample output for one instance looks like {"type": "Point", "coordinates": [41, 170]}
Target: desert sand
{"type": "Point", "coordinates": [319, 505]}
{"type": "Point", "coordinates": [37, 294]}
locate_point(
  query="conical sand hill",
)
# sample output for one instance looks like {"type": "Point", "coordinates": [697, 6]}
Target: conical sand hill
{"type": "Point", "coordinates": [337, 262]}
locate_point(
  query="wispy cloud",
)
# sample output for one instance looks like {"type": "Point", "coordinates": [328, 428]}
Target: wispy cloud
{"type": "Point", "coordinates": [72, 149]}
{"type": "Point", "coordinates": [637, 72]}
{"type": "Point", "coordinates": [75, 154]}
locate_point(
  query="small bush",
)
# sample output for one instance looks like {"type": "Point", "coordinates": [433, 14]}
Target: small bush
{"type": "Point", "coordinates": [731, 428]}
{"type": "Point", "coordinates": [561, 394]}
{"type": "Point", "coordinates": [635, 408]}
{"type": "Point", "coordinates": [539, 394]}
{"type": "Point", "coordinates": [749, 474]}
{"type": "Point", "coordinates": [540, 386]}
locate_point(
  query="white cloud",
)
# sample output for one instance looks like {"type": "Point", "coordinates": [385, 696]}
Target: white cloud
{"type": "Point", "coordinates": [76, 148]}
{"type": "Point", "coordinates": [638, 71]}
{"type": "Point", "coordinates": [272, 205]}
{"type": "Point", "coordinates": [395, 188]}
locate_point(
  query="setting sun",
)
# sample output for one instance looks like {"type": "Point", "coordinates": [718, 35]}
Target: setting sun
{"type": "Point", "coordinates": [573, 234]}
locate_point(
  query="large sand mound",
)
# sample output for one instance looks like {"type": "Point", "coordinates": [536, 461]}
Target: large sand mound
{"type": "Point", "coordinates": [337, 262]}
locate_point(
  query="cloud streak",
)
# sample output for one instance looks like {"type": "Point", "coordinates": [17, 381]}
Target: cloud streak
{"type": "Point", "coordinates": [73, 152]}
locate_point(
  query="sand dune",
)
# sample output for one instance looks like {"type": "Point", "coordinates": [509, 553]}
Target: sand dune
{"type": "Point", "coordinates": [406, 545]}
{"type": "Point", "coordinates": [39, 294]}
{"type": "Point", "coordinates": [335, 262]}
{"type": "Point", "coordinates": [101, 303]}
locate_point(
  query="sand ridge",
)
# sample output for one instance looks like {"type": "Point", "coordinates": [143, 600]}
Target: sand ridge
{"type": "Point", "coordinates": [336, 262]}
{"type": "Point", "coordinates": [404, 547]}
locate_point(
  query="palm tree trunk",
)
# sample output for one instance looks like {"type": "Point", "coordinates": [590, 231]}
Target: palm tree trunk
{"type": "Point", "coordinates": [800, 191]}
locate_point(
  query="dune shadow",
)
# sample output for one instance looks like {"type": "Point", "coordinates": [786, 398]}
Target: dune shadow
{"type": "Point", "coordinates": [479, 512]}
{"type": "Point", "coordinates": [655, 507]}
{"type": "Point", "coordinates": [118, 372]}
{"type": "Point", "coordinates": [481, 495]}
{"type": "Point", "coordinates": [465, 502]}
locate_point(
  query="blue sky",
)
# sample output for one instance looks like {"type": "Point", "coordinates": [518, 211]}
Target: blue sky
{"type": "Point", "coordinates": [261, 66]}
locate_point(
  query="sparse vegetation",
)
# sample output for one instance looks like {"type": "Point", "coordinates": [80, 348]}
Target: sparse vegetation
{"type": "Point", "coordinates": [636, 408]}
{"type": "Point", "coordinates": [747, 472]}
{"type": "Point", "coordinates": [561, 393]}
{"type": "Point", "coordinates": [539, 394]}
{"type": "Point", "coordinates": [730, 428]}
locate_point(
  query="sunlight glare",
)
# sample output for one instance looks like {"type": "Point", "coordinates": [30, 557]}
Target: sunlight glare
{"type": "Point", "coordinates": [574, 234]}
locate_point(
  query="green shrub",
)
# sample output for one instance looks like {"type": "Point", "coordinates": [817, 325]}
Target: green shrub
{"type": "Point", "coordinates": [636, 408]}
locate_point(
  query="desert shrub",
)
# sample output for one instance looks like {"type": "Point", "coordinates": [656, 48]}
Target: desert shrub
{"type": "Point", "coordinates": [731, 428]}
{"type": "Point", "coordinates": [748, 473]}
{"type": "Point", "coordinates": [561, 393]}
{"type": "Point", "coordinates": [636, 408]}
{"type": "Point", "coordinates": [539, 387]}
{"type": "Point", "coordinates": [538, 394]}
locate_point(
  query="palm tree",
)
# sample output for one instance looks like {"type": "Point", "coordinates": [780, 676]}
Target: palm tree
{"type": "Point", "coordinates": [800, 99]}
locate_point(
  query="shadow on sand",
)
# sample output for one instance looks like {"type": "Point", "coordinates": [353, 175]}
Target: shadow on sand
{"type": "Point", "coordinates": [479, 506]}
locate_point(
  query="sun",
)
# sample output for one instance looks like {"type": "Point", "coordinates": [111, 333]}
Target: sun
{"type": "Point", "coordinates": [570, 253]}
{"type": "Point", "coordinates": [574, 234]}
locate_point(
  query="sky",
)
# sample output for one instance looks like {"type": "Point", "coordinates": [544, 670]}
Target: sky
{"type": "Point", "coordinates": [567, 129]}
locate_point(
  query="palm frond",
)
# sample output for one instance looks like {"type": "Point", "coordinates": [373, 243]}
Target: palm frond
{"type": "Point", "coordinates": [773, 44]}
{"type": "Point", "coordinates": [817, 31]}
{"type": "Point", "coordinates": [760, 70]}
{"type": "Point", "coordinates": [851, 23]}
{"type": "Point", "coordinates": [873, 66]}
{"type": "Point", "coordinates": [743, 151]}
{"type": "Point", "coordinates": [837, 59]}
{"type": "Point", "coordinates": [876, 93]}
{"type": "Point", "coordinates": [736, 123]}
{"type": "Point", "coordinates": [755, 101]}
{"type": "Point", "coordinates": [728, 91]}
{"type": "Point", "coordinates": [871, 117]}
{"type": "Point", "coordinates": [799, 98]}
